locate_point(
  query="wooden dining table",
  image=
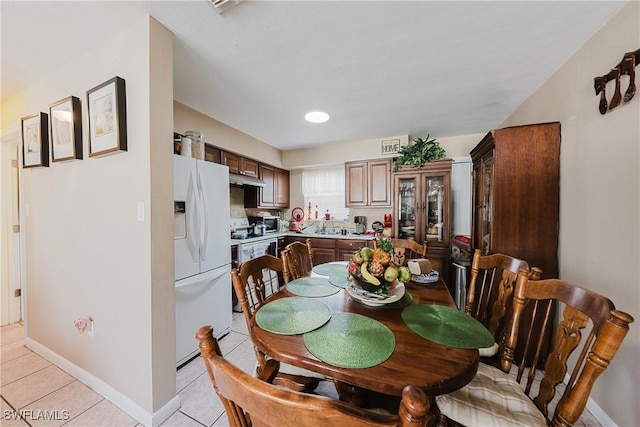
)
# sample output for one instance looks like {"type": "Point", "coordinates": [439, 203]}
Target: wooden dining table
{"type": "Point", "coordinates": [435, 368]}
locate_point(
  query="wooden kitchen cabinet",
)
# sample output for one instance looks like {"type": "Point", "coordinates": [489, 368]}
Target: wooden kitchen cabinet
{"type": "Point", "coordinates": [238, 164]}
{"type": "Point", "coordinates": [368, 183]}
{"type": "Point", "coordinates": [346, 248]}
{"type": "Point", "coordinates": [423, 210]}
{"type": "Point", "coordinates": [275, 193]}
{"type": "Point", "coordinates": [212, 154]}
{"type": "Point", "coordinates": [324, 250]}
{"type": "Point", "coordinates": [516, 199]}
{"type": "Point", "coordinates": [282, 188]}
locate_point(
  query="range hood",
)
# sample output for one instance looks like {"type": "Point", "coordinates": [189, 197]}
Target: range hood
{"type": "Point", "coordinates": [243, 180]}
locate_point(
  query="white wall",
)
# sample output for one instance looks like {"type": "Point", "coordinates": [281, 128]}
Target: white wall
{"type": "Point", "coordinates": [349, 151]}
{"type": "Point", "coordinates": [86, 252]}
{"type": "Point", "coordinates": [223, 136]}
{"type": "Point", "coordinates": [599, 192]}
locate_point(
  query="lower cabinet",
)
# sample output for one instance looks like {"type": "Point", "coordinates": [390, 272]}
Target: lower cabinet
{"type": "Point", "coordinates": [346, 248]}
{"type": "Point", "coordinates": [331, 249]}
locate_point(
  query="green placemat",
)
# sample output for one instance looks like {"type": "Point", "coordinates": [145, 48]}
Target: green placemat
{"type": "Point", "coordinates": [339, 278]}
{"type": "Point", "coordinates": [406, 300]}
{"type": "Point", "coordinates": [328, 268]}
{"type": "Point", "coordinates": [293, 315]}
{"type": "Point", "coordinates": [447, 326]}
{"type": "Point", "coordinates": [312, 287]}
{"type": "Point", "coordinates": [351, 340]}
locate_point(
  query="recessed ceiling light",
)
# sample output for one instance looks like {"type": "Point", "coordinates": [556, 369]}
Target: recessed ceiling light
{"type": "Point", "coordinates": [316, 116]}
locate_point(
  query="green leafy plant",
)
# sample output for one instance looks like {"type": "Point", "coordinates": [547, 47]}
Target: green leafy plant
{"type": "Point", "coordinates": [420, 152]}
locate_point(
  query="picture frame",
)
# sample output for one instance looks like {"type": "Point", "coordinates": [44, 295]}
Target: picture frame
{"type": "Point", "coordinates": [35, 140]}
{"type": "Point", "coordinates": [107, 112]}
{"type": "Point", "coordinates": [65, 125]}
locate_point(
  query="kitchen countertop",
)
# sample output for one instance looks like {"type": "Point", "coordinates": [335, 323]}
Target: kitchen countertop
{"type": "Point", "coordinates": [364, 237]}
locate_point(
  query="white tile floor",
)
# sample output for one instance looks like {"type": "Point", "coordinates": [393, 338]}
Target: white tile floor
{"type": "Point", "coordinates": [31, 383]}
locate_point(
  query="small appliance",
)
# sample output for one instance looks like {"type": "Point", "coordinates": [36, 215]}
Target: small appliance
{"type": "Point", "coordinates": [271, 223]}
{"type": "Point", "coordinates": [361, 224]}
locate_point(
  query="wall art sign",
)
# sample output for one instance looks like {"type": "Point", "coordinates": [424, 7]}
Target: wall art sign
{"type": "Point", "coordinates": [66, 129]}
{"type": "Point", "coordinates": [390, 147]}
{"type": "Point", "coordinates": [35, 140]}
{"type": "Point", "coordinates": [107, 118]}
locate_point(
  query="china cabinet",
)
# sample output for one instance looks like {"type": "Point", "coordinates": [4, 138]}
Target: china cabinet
{"type": "Point", "coordinates": [423, 210]}
{"type": "Point", "coordinates": [516, 198]}
{"type": "Point", "coordinates": [516, 194]}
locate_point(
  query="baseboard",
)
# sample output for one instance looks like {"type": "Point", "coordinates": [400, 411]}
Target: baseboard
{"type": "Point", "coordinates": [105, 390]}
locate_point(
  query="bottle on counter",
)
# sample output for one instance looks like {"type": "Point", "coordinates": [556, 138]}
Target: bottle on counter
{"type": "Point", "coordinates": [309, 212]}
{"type": "Point", "coordinates": [316, 211]}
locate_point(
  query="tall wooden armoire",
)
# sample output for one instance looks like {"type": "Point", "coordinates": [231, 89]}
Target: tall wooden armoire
{"type": "Point", "coordinates": [516, 194]}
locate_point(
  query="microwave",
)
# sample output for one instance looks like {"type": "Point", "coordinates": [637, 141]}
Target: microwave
{"type": "Point", "coordinates": [272, 223]}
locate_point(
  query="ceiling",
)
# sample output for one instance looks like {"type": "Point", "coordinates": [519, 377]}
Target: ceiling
{"type": "Point", "coordinates": [379, 68]}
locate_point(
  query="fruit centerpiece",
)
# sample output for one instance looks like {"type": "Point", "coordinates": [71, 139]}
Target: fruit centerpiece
{"type": "Point", "coordinates": [374, 270]}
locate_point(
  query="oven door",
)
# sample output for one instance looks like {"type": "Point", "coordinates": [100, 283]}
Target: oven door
{"type": "Point", "coordinates": [255, 249]}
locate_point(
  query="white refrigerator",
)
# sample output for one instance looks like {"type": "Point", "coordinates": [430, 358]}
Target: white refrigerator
{"type": "Point", "coordinates": [202, 252]}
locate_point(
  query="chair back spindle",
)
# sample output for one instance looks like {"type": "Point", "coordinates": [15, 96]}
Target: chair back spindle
{"type": "Point", "coordinates": [589, 322]}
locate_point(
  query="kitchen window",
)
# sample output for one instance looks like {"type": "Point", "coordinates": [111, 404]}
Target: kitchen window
{"type": "Point", "coordinates": [324, 188]}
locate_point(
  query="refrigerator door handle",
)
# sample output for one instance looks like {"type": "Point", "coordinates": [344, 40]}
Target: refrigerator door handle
{"type": "Point", "coordinates": [204, 241]}
{"type": "Point", "coordinates": [192, 219]}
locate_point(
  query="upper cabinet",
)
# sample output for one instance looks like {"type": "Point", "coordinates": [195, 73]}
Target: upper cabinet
{"type": "Point", "coordinates": [275, 193]}
{"type": "Point", "coordinates": [240, 165]}
{"type": "Point", "coordinates": [516, 176]}
{"type": "Point", "coordinates": [368, 183]}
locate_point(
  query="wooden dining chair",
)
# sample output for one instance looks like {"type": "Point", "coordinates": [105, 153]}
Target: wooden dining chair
{"type": "Point", "coordinates": [490, 294]}
{"type": "Point", "coordinates": [254, 282]}
{"type": "Point", "coordinates": [589, 321]}
{"type": "Point", "coordinates": [298, 260]}
{"type": "Point", "coordinates": [255, 401]}
{"type": "Point", "coordinates": [405, 249]}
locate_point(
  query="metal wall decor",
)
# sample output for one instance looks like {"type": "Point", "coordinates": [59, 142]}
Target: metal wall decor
{"type": "Point", "coordinates": [625, 67]}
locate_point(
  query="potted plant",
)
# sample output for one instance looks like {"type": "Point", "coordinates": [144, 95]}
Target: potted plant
{"type": "Point", "coordinates": [420, 152]}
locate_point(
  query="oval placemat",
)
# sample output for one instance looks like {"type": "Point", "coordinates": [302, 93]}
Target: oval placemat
{"type": "Point", "coordinates": [339, 278]}
{"type": "Point", "coordinates": [292, 315]}
{"type": "Point", "coordinates": [351, 340]}
{"type": "Point", "coordinates": [312, 287]}
{"type": "Point", "coordinates": [447, 326]}
{"type": "Point", "coordinates": [328, 268]}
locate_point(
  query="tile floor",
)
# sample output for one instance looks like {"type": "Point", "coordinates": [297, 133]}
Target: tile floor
{"type": "Point", "coordinates": [31, 383]}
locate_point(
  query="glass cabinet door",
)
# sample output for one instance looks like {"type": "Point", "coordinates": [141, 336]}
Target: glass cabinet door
{"type": "Point", "coordinates": [435, 209]}
{"type": "Point", "coordinates": [485, 224]}
{"type": "Point", "coordinates": [482, 180]}
{"type": "Point", "coordinates": [406, 207]}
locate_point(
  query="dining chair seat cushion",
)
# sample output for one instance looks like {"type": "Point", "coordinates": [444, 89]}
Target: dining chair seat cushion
{"type": "Point", "coordinates": [492, 398]}
{"type": "Point", "coordinates": [489, 351]}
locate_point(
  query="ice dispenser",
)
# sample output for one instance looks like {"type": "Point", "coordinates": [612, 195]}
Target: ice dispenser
{"type": "Point", "coordinates": [179, 220]}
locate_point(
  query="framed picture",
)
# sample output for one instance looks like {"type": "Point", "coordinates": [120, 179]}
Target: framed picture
{"type": "Point", "coordinates": [66, 129]}
{"type": "Point", "coordinates": [35, 140]}
{"type": "Point", "coordinates": [107, 118]}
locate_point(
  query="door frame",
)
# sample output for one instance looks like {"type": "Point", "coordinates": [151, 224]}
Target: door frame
{"type": "Point", "coordinates": [13, 308]}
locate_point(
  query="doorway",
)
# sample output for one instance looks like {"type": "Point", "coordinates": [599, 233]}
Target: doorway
{"type": "Point", "coordinates": [11, 243]}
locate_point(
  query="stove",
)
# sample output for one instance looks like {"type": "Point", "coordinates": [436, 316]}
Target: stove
{"type": "Point", "coordinates": [240, 228]}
